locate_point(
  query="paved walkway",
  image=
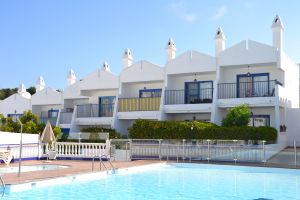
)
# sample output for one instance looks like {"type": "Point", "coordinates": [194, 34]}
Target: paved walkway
{"type": "Point", "coordinates": [75, 167]}
{"type": "Point", "coordinates": [286, 157]}
{"type": "Point", "coordinates": [283, 160]}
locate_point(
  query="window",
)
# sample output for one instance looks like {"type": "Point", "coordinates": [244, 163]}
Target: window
{"type": "Point", "coordinates": [150, 93]}
{"type": "Point", "coordinates": [52, 113]}
{"type": "Point", "coordinates": [106, 106]}
{"type": "Point", "coordinates": [253, 85]}
{"type": "Point", "coordinates": [259, 120]}
{"type": "Point", "coordinates": [198, 92]}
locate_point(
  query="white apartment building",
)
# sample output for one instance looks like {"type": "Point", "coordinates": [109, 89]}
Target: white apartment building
{"type": "Point", "coordinates": [190, 86]}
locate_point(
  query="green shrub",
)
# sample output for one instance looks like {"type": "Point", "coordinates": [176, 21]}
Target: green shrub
{"type": "Point", "coordinates": [56, 131]}
{"type": "Point", "coordinates": [29, 116]}
{"type": "Point", "coordinates": [237, 116]}
{"type": "Point", "coordinates": [146, 129]}
{"type": "Point", "coordinates": [30, 127]}
{"type": "Point", "coordinates": [112, 133]}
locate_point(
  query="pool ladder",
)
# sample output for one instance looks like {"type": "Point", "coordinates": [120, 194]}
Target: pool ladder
{"type": "Point", "coordinates": [2, 185]}
{"type": "Point", "coordinates": [102, 163]}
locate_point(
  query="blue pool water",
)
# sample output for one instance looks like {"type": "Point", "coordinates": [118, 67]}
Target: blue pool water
{"type": "Point", "coordinates": [28, 168]}
{"type": "Point", "coordinates": [176, 181]}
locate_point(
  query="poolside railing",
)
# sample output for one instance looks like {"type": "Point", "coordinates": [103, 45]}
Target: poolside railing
{"type": "Point", "coordinates": [77, 149]}
{"type": "Point", "coordinates": [198, 150]}
{"type": "Point", "coordinates": [29, 150]}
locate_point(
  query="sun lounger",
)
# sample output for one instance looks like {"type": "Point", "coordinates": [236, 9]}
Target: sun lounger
{"type": "Point", "coordinates": [6, 157]}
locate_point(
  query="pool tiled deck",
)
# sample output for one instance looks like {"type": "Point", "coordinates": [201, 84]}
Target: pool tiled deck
{"type": "Point", "coordinates": [75, 167]}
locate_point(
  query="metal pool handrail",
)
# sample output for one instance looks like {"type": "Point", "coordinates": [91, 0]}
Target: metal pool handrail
{"type": "Point", "coordinates": [102, 163]}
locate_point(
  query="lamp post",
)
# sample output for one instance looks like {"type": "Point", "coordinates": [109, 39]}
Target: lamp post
{"type": "Point", "coordinates": [21, 146]}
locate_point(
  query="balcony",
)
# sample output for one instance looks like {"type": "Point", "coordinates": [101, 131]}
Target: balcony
{"type": "Point", "coordinates": [188, 101]}
{"type": "Point", "coordinates": [200, 96]}
{"type": "Point", "coordinates": [138, 104]}
{"type": "Point", "coordinates": [95, 110]}
{"type": "Point", "coordinates": [247, 89]}
{"type": "Point", "coordinates": [65, 117]}
{"type": "Point", "coordinates": [94, 114]}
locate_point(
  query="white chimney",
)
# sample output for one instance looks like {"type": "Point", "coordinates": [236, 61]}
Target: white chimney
{"type": "Point", "coordinates": [40, 84]}
{"type": "Point", "coordinates": [71, 78]}
{"type": "Point", "coordinates": [219, 41]}
{"type": "Point", "coordinates": [170, 50]}
{"type": "Point", "coordinates": [277, 31]}
{"type": "Point", "coordinates": [127, 58]}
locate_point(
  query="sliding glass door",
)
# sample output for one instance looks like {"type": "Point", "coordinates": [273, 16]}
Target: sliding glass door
{"type": "Point", "coordinates": [253, 85]}
{"type": "Point", "coordinates": [106, 106]}
{"type": "Point", "coordinates": [198, 92]}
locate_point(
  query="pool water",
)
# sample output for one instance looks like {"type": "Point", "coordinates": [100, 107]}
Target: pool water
{"type": "Point", "coordinates": [29, 168]}
{"type": "Point", "coordinates": [177, 181]}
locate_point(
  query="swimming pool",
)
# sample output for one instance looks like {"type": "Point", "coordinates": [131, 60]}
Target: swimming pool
{"type": "Point", "coordinates": [29, 168]}
{"type": "Point", "coordinates": [169, 181]}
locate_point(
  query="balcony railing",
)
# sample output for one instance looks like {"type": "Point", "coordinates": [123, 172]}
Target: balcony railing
{"type": "Point", "coordinates": [95, 110]}
{"type": "Point", "coordinates": [204, 95]}
{"type": "Point", "coordinates": [65, 117]}
{"type": "Point", "coordinates": [139, 104]}
{"type": "Point", "coordinates": [247, 89]}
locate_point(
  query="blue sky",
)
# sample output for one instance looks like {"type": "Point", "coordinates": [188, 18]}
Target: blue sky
{"type": "Point", "coordinates": [49, 37]}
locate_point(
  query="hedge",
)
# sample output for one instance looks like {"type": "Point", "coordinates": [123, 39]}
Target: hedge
{"type": "Point", "coordinates": [146, 129]}
{"type": "Point", "coordinates": [113, 134]}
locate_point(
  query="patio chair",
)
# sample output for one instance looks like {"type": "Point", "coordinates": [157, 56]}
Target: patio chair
{"type": "Point", "coordinates": [51, 155]}
{"type": "Point", "coordinates": [6, 157]}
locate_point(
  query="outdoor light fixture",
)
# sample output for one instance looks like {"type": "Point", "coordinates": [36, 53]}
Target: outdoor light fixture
{"type": "Point", "coordinates": [248, 74]}
{"type": "Point", "coordinates": [195, 80]}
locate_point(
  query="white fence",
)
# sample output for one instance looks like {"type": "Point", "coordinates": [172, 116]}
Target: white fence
{"type": "Point", "coordinates": [11, 142]}
{"type": "Point", "coordinates": [31, 151]}
{"type": "Point", "coordinates": [78, 150]}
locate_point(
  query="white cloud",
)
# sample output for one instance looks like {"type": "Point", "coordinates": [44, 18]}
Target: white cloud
{"type": "Point", "coordinates": [220, 12]}
{"type": "Point", "coordinates": [180, 10]}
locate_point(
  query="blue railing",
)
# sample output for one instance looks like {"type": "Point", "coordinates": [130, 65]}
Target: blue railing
{"type": "Point", "coordinates": [247, 89]}
{"type": "Point", "coordinates": [204, 95]}
{"type": "Point", "coordinates": [95, 110]}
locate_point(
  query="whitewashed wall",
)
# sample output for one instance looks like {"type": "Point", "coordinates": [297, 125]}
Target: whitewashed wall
{"type": "Point", "coordinates": [182, 117]}
{"type": "Point", "coordinates": [293, 125]}
{"type": "Point", "coordinates": [70, 103]}
{"type": "Point", "coordinates": [14, 103]}
{"type": "Point", "coordinates": [248, 52]}
{"type": "Point", "coordinates": [95, 94]}
{"type": "Point", "coordinates": [191, 62]}
{"type": "Point", "coordinates": [291, 83]}
{"type": "Point", "coordinates": [14, 138]}
{"type": "Point", "coordinates": [99, 79]}
{"type": "Point", "coordinates": [176, 82]}
{"type": "Point", "coordinates": [229, 74]}
{"type": "Point", "coordinates": [38, 109]}
{"type": "Point", "coordinates": [131, 90]}
{"type": "Point", "coordinates": [47, 96]}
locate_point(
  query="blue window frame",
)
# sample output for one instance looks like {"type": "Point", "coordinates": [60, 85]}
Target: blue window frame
{"type": "Point", "coordinates": [53, 113]}
{"type": "Point", "coordinates": [198, 92]}
{"type": "Point", "coordinates": [259, 120]}
{"type": "Point", "coordinates": [14, 116]}
{"type": "Point", "coordinates": [149, 93]}
{"type": "Point", "coordinates": [106, 106]}
{"type": "Point", "coordinates": [253, 85]}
